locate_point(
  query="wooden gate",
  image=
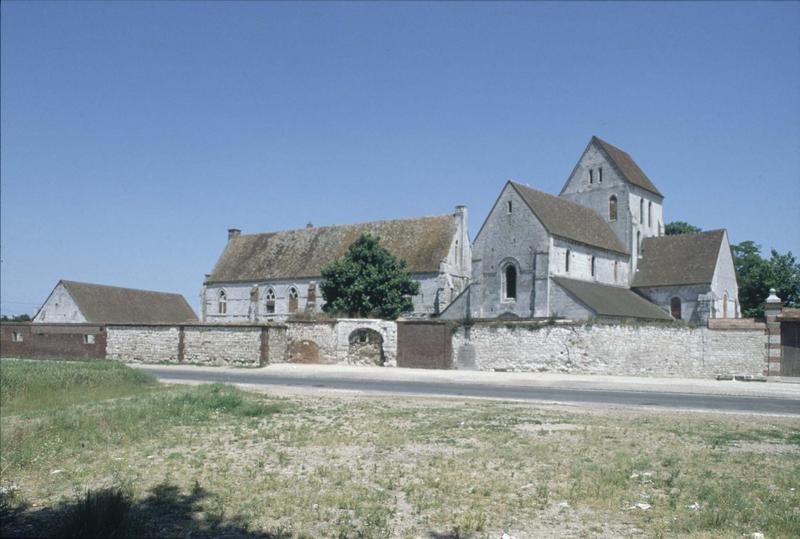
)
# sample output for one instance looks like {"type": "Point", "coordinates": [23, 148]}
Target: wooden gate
{"type": "Point", "coordinates": [790, 343]}
{"type": "Point", "coordinates": [424, 345]}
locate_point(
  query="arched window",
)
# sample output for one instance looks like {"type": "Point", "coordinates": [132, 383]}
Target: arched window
{"type": "Point", "coordinates": [293, 296]}
{"type": "Point", "coordinates": [566, 261]}
{"type": "Point", "coordinates": [725, 305]}
{"type": "Point", "coordinates": [650, 214]}
{"type": "Point", "coordinates": [222, 302]}
{"type": "Point", "coordinates": [641, 210]}
{"type": "Point", "coordinates": [616, 270]}
{"type": "Point", "coordinates": [270, 296]}
{"type": "Point", "coordinates": [612, 208]}
{"type": "Point", "coordinates": [675, 308]}
{"type": "Point", "coordinates": [594, 268]}
{"type": "Point", "coordinates": [510, 285]}
{"type": "Point", "coordinates": [639, 243]}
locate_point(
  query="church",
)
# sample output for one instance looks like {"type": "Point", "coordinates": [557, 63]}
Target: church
{"type": "Point", "coordinates": [595, 251]}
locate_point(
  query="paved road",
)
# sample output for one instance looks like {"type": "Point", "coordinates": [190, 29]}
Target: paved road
{"type": "Point", "coordinates": [655, 399]}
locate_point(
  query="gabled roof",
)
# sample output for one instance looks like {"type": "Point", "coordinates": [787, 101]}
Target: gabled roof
{"type": "Point", "coordinates": [423, 243]}
{"type": "Point", "coordinates": [606, 300]}
{"type": "Point", "coordinates": [626, 166]}
{"type": "Point", "coordinates": [102, 304]}
{"type": "Point", "coordinates": [679, 260]}
{"type": "Point", "coordinates": [570, 220]}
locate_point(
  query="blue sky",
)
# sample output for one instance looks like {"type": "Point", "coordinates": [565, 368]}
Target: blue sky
{"type": "Point", "coordinates": [134, 135]}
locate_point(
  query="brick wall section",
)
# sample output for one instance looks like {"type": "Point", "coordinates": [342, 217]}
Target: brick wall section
{"type": "Point", "coordinates": [143, 344]}
{"type": "Point", "coordinates": [609, 349]}
{"type": "Point", "coordinates": [233, 346]}
{"type": "Point", "coordinates": [52, 340]}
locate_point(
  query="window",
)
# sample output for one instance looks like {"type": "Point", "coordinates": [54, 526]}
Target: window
{"type": "Point", "coordinates": [639, 243]}
{"type": "Point", "coordinates": [612, 208]}
{"type": "Point", "coordinates": [591, 176]}
{"type": "Point", "coordinates": [510, 288]}
{"type": "Point", "coordinates": [222, 303]}
{"type": "Point", "coordinates": [270, 295]}
{"type": "Point", "coordinates": [88, 339]}
{"type": "Point", "coordinates": [594, 267]}
{"type": "Point", "coordinates": [293, 296]}
{"type": "Point", "coordinates": [509, 206]}
{"type": "Point", "coordinates": [649, 214]}
{"type": "Point", "coordinates": [600, 175]}
{"type": "Point", "coordinates": [616, 270]}
{"type": "Point", "coordinates": [675, 308]}
{"type": "Point", "coordinates": [566, 261]}
{"type": "Point", "coordinates": [725, 305]}
{"type": "Point", "coordinates": [16, 336]}
{"type": "Point", "coordinates": [641, 210]}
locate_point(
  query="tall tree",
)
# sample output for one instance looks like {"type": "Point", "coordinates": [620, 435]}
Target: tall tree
{"type": "Point", "coordinates": [757, 275]}
{"type": "Point", "coordinates": [368, 281]}
{"type": "Point", "coordinates": [680, 227]}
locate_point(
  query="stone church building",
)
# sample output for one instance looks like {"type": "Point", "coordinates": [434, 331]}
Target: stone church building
{"type": "Point", "coordinates": [597, 250]}
{"type": "Point", "coordinates": [274, 275]}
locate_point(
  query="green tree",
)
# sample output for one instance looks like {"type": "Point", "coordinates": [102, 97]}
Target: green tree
{"type": "Point", "coordinates": [368, 281]}
{"type": "Point", "coordinates": [680, 227]}
{"type": "Point", "coordinates": [757, 275]}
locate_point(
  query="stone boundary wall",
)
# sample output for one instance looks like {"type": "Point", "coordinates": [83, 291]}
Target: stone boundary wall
{"type": "Point", "coordinates": [144, 344]}
{"type": "Point", "coordinates": [234, 346]}
{"type": "Point", "coordinates": [630, 350]}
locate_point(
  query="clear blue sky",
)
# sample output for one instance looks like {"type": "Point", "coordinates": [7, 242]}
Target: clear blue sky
{"type": "Point", "coordinates": [135, 135]}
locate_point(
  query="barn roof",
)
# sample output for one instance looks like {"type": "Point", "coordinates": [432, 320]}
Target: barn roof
{"type": "Point", "coordinates": [627, 166]}
{"type": "Point", "coordinates": [679, 260]}
{"type": "Point", "coordinates": [423, 243]}
{"type": "Point", "coordinates": [102, 304]}
{"type": "Point", "coordinates": [614, 301]}
{"type": "Point", "coordinates": [570, 220]}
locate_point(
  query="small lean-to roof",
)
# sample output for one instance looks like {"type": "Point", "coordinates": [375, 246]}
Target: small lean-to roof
{"type": "Point", "coordinates": [683, 259]}
{"type": "Point", "coordinates": [612, 301]}
{"type": "Point", "coordinates": [627, 166]}
{"type": "Point", "coordinates": [102, 304]}
{"type": "Point", "coordinates": [423, 243]}
{"type": "Point", "coordinates": [570, 220]}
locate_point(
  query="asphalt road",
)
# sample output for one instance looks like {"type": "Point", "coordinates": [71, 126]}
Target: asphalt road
{"type": "Point", "coordinates": [652, 399]}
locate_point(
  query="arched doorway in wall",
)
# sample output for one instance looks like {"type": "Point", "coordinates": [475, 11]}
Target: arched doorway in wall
{"type": "Point", "coordinates": [365, 347]}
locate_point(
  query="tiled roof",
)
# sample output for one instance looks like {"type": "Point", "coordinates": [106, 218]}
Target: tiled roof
{"type": "Point", "coordinates": [570, 220]}
{"type": "Point", "coordinates": [627, 166]}
{"type": "Point", "coordinates": [614, 301]}
{"type": "Point", "coordinates": [679, 260]}
{"type": "Point", "coordinates": [423, 243]}
{"type": "Point", "coordinates": [102, 304]}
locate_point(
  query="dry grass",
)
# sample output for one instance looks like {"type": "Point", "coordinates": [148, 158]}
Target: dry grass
{"type": "Point", "coordinates": [338, 466]}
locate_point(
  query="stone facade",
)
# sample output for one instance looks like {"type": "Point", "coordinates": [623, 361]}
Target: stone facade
{"type": "Point", "coordinates": [143, 344]}
{"type": "Point", "coordinates": [234, 346]}
{"type": "Point", "coordinates": [609, 349]}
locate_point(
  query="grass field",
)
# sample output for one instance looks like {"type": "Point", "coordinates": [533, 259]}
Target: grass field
{"type": "Point", "coordinates": [214, 460]}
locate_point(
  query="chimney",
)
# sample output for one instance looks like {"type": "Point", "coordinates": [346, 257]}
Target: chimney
{"type": "Point", "coordinates": [233, 233]}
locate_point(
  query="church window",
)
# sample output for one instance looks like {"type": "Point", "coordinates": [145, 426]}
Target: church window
{"type": "Point", "coordinates": [641, 210]}
{"type": "Point", "coordinates": [293, 297]}
{"type": "Point", "coordinates": [222, 303]}
{"type": "Point", "coordinates": [566, 261]}
{"type": "Point", "coordinates": [612, 208]}
{"type": "Point", "coordinates": [510, 288]}
{"type": "Point", "coordinates": [509, 206]}
{"type": "Point", "coordinates": [270, 301]}
{"type": "Point", "coordinates": [600, 175]}
{"type": "Point", "coordinates": [639, 242]}
{"type": "Point", "coordinates": [591, 176]}
{"type": "Point", "coordinates": [649, 214]}
{"type": "Point", "coordinates": [594, 267]}
{"type": "Point", "coordinates": [616, 270]}
{"type": "Point", "coordinates": [725, 305]}
{"type": "Point", "coordinates": [675, 308]}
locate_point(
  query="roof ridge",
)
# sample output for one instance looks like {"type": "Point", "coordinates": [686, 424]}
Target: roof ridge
{"type": "Point", "coordinates": [96, 285]}
{"type": "Point", "coordinates": [305, 229]}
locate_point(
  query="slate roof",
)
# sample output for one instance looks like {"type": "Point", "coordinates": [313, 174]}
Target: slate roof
{"type": "Point", "coordinates": [570, 220]}
{"type": "Point", "coordinates": [606, 300]}
{"type": "Point", "coordinates": [627, 166]}
{"type": "Point", "coordinates": [679, 260]}
{"type": "Point", "coordinates": [102, 304]}
{"type": "Point", "coordinates": [423, 243]}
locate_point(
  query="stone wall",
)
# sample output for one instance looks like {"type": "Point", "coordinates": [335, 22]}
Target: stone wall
{"type": "Point", "coordinates": [220, 345]}
{"type": "Point", "coordinates": [143, 344]}
{"type": "Point", "coordinates": [635, 350]}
